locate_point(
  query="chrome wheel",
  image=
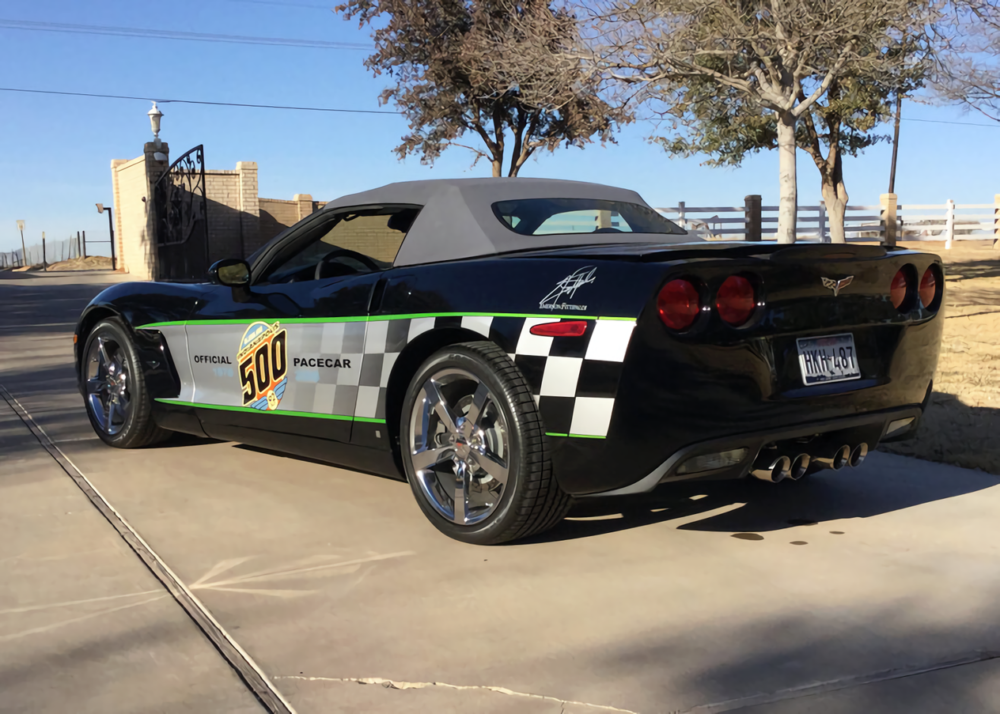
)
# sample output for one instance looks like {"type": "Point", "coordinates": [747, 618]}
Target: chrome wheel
{"type": "Point", "coordinates": [107, 380]}
{"type": "Point", "coordinates": [460, 446]}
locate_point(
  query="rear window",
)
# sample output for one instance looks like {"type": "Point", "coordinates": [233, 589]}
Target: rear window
{"type": "Point", "coordinates": [567, 216]}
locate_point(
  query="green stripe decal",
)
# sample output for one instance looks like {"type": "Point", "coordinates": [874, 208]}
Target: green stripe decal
{"type": "Point", "coordinates": [277, 412]}
{"type": "Point", "coordinates": [575, 436]}
{"type": "Point", "coordinates": [373, 318]}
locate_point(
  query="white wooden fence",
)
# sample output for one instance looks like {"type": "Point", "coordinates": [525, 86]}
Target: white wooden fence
{"type": "Point", "coordinates": [948, 221]}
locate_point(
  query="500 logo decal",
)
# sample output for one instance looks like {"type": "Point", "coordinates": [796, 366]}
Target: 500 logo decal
{"type": "Point", "coordinates": [263, 361]}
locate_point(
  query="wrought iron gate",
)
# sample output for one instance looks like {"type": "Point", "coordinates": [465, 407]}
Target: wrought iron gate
{"type": "Point", "coordinates": [181, 219]}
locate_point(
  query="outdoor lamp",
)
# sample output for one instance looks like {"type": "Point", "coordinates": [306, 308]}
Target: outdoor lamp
{"type": "Point", "coordinates": [154, 120]}
{"type": "Point", "coordinates": [100, 207]}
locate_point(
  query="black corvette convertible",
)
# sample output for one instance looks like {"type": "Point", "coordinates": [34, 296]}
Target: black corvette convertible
{"type": "Point", "coordinates": [510, 344]}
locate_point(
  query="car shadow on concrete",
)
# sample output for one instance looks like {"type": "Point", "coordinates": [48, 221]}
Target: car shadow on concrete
{"type": "Point", "coordinates": [884, 483]}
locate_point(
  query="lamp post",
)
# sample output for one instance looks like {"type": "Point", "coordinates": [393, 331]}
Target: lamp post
{"type": "Point", "coordinates": [24, 253]}
{"type": "Point", "coordinates": [111, 228]}
{"type": "Point", "coordinates": [154, 121]}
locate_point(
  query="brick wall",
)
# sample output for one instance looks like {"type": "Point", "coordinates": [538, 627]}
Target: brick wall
{"type": "Point", "coordinates": [275, 216]}
{"type": "Point", "coordinates": [239, 221]}
{"type": "Point", "coordinates": [369, 235]}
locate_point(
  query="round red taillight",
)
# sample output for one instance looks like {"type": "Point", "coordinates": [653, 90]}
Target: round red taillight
{"type": "Point", "coordinates": [899, 288]}
{"type": "Point", "coordinates": [678, 304]}
{"type": "Point", "coordinates": [929, 288]}
{"type": "Point", "coordinates": [736, 300]}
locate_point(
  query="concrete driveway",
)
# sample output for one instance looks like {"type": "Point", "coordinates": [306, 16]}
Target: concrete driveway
{"type": "Point", "coordinates": [876, 589]}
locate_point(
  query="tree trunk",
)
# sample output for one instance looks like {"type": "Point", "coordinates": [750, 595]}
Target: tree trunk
{"type": "Point", "coordinates": [788, 204]}
{"type": "Point", "coordinates": [497, 167]}
{"type": "Point", "coordinates": [835, 197]}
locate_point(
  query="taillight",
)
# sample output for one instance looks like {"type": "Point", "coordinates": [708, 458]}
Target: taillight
{"type": "Point", "coordinates": [899, 288]}
{"type": "Point", "coordinates": [736, 300]}
{"type": "Point", "coordinates": [930, 288]}
{"type": "Point", "coordinates": [678, 304]}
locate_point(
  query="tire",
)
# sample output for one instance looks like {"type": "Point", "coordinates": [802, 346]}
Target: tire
{"type": "Point", "coordinates": [108, 354]}
{"type": "Point", "coordinates": [519, 496]}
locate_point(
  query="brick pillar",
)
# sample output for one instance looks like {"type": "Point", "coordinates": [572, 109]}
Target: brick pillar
{"type": "Point", "coordinates": [249, 207]}
{"type": "Point", "coordinates": [155, 167]}
{"type": "Point", "coordinates": [305, 202]}
{"type": "Point", "coordinates": [117, 217]}
{"type": "Point", "coordinates": [888, 215]}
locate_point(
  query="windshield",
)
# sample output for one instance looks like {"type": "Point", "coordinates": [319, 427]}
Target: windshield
{"type": "Point", "coordinates": [567, 216]}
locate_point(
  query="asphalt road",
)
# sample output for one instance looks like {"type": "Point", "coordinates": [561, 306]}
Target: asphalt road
{"type": "Point", "coordinates": [876, 589]}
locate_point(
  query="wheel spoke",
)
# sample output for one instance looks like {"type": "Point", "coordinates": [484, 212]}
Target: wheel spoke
{"type": "Point", "coordinates": [476, 409]}
{"type": "Point", "coordinates": [440, 407]}
{"type": "Point", "coordinates": [102, 357]}
{"type": "Point", "coordinates": [108, 411]}
{"type": "Point", "coordinates": [460, 492]}
{"type": "Point", "coordinates": [96, 385]}
{"type": "Point", "coordinates": [492, 465]}
{"type": "Point", "coordinates": [425, 458]}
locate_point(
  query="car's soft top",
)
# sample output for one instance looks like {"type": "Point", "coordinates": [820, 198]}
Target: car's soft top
{"type": "Point", "coordinates": [458, 220]}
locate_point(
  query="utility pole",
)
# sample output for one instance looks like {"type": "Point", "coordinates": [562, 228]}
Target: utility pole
{"type": "Point", "coordinates": [24, 253]}
{"type": "Point", "coordinates": [895, 143]}
{"type": "Point", "coordinates": [45, 261]}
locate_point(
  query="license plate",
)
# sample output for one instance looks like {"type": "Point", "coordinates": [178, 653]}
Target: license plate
{"type": "Point", "coordinates": [828, 359]}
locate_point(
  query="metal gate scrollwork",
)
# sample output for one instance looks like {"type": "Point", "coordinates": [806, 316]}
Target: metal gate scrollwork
{"type": "Point", "coordinates": [182, 219]}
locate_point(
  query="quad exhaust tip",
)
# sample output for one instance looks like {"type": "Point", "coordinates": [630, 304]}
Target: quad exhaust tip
{"type": "Point", "coordinates": [799, 467]}
{"type": "Point", "coordinates": [842, 458]}
{"type": "Point", "coordinates": [858, 454]}
{"type": "Point", "coordinates": [777, 470]}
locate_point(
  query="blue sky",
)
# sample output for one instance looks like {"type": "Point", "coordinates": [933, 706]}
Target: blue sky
{"type": "Point", "coordinates": [55, 151]}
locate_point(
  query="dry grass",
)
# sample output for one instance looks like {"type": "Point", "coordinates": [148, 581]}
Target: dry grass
{"type": "Point", "coordinates": [962, 423]}
{"type": "Point", "coordinates": [91, 262]}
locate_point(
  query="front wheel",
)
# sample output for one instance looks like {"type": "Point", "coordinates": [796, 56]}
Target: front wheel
{"type": "Point", "coordinates": [474, 448]}
{"type": "Point", "coordinates": [118, 404]}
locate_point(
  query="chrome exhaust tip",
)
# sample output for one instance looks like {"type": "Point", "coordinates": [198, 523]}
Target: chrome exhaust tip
{"type": "Point", "coordinates": [799, 467]}
{"type": "Point", "coordinates": [858, 454]}
{"type": "Point", "coordinates": [775, 471]}
{"type": "Point", "coordinates": [842, 458]}
{"type": "Point", "coordinates": [836, 461]}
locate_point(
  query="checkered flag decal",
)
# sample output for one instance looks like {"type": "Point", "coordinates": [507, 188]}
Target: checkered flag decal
{"type": "Point", "coordinates": [573, 379]}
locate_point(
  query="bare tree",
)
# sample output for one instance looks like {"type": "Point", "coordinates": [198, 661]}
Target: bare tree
{"type": "Point", "coordinates": [451, 78]}
{"type": "Point", "coordinates": [782, 56]}
{"type": "Point", "coordinates": [968, 67]}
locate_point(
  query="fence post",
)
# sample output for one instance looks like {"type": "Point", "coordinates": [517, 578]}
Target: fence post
{"type": "Point", "coordinates": [751, 217]}
{"type": "Point", "coordinates": [949, 224]}
{"type": "Point", "coordinates": [996, 222]}
{"type": "Point", "coordinates": [45, 261]}
{"type": "Point", "coordinates": [84, 244]}
{"type": "Point", "coordinates": [888, 218]}
{"type": "Point", "coordinates": [822, 222]}
{"type": "Point", "coordinates": [680, 215]}
{"type": "Point", "coordinates": [78, 251]}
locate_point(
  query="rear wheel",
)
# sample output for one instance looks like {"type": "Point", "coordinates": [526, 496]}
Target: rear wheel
{"type": "Point", "coordinates": [118, 404]}
{"type": "Point", "coordinates": [474, 448]}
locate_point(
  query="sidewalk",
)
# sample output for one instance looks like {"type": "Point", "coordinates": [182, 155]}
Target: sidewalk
{"type": "Point", "coordinates": [84, 627]}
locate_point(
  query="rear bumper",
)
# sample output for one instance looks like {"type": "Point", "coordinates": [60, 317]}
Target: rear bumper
{"type": "Point", "coordinates": [814, 438]}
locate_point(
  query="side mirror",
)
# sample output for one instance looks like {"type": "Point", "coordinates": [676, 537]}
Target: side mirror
{"type": "Point", "coordinates": [230, 271]}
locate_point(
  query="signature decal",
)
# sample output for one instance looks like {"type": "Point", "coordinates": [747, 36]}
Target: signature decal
{"type": "Point", "coordinates": [837, 285]}
{"type": "Point", "coordinates": [263, 361]}
{"type": "Point", "coordinates": [567, 288]}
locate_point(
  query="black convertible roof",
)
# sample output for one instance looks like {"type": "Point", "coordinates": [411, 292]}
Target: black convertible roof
{"type": "Point", "coordinates": [457, 220]}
